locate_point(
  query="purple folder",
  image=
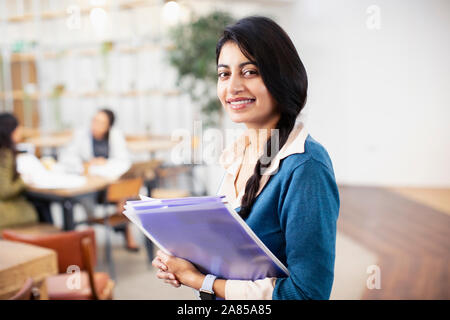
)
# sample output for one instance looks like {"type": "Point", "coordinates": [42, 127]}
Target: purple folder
{"type": "Point", "coordinates": [208, 233]}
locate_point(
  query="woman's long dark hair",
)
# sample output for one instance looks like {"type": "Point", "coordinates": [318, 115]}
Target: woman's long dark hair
{"type": "Point", "coordinates": [8, 123]}
{"type": "Point", "coordinates": [111, 119]}
{"type": "Point", "coordinates": [263, 41]}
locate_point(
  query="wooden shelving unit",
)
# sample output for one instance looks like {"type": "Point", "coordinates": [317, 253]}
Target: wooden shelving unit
{"type": "Point", "coordinates": [50, 15]}
{"type": "Point", "coordinates": [89, 52]}
{"type": "Point", "coordinates": [38, 55]}
{"type": "Point", "coordinates": [21, 95]}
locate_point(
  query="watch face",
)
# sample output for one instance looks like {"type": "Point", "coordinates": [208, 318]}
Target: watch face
{"type": "Point", "coordinates": [207, 296]}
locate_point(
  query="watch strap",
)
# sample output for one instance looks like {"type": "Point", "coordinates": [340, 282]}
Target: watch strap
{"type": "Point", "coordinates": [206, 291]}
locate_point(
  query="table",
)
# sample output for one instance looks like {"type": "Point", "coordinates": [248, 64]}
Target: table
{"type": "Point", "coordinates": [135, 143]}
{"type": "Point", "coordinates": [53, 141]}
{"type": "Point", "coordinates": [20, 261]}
{"type": "Point", "coordinates": [151, 145]}
{"type": "Point", "coordinates": [68, 197]}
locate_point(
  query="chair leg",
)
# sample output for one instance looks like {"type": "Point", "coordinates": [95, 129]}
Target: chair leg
{"type": "Point", "coordinates": [108, 255]}
{"type": "Point", "coordinates": [130, 243]}
{"type": "Point", "coordinates": [108, 249]}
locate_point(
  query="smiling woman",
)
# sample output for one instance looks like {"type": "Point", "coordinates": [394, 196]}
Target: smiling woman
{"type": "Point", "coordinates": [241, 89]}
{"type": "Point", "coordinates": [289, 197]}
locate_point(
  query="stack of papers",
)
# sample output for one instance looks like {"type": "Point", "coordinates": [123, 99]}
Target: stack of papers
{"type": "Point", "coordinates": [34, 173]}
{"type": "Point", "coordinates": [207, 232]}
{"type": "Point", "coordinates": [112, 169]}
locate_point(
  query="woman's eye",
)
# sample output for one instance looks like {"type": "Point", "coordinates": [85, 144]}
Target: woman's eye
{"type": "Point", "coordinates": [222, 74]}
{"type": "Point", "coordinates": [250, 72]}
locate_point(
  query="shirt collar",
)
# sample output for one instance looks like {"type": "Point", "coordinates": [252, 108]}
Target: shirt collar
{"type": "Point", "coordinates": [231, 157]}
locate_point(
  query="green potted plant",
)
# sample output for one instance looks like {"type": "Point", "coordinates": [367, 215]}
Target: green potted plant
{"type": "Point", "coordinates": [55, 100]}
{"type": "Point", "coordinates": [105, 49]}
{"type": "Point", "coordinates": [194, 57]}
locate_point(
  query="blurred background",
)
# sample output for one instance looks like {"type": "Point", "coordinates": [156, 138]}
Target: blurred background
{"type": "Point", "coordinates": [378, 100]}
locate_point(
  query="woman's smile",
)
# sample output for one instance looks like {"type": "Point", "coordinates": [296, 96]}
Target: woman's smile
{"type": "Point", "coordinates": [238, 104]}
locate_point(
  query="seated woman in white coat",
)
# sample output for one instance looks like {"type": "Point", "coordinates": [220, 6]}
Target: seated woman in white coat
{"type": "Point", "coordinates": [102, 148]}
{"type": "Point", "coordinates": [99, 150]}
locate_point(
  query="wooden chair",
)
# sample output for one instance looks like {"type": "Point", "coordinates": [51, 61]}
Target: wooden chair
{"type": "Point", "coordinates": [142, 169]}
{"type": "Point", "coordinates": [74, 248]}
{"type": "Point", "coordinates": [27, 292]}
{"type": "Point", "coordinates": [117, 193]}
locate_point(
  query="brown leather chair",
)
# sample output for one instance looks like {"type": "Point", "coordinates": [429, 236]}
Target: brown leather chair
{"type": "Point", "coordinates": [73, 248]}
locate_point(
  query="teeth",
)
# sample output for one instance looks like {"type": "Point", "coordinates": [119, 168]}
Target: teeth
{"type": "Point", "coordinates": [241, 102]}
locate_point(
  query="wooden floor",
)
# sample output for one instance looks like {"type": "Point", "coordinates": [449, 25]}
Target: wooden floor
{"type": "Point", "coordinates": [411, 240]}
{"type": "Point", "coordinates": [437, 198]}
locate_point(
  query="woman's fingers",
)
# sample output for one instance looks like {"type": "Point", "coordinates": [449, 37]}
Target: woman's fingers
{"type": "Point", "coordinates": [160, 263]}
{"type": "Point", "coordinates": [168, 278]}
{"type": "Point", "coordinates": [166, 275]}
{"type": "Point", "coordinates": [157, 263]}
{"type": "Point", "coordinates": [162, 256]}
{"type": "Point", "coordinates": [174, 283]}
{"type": "Point", "coordinates": [162, 275]}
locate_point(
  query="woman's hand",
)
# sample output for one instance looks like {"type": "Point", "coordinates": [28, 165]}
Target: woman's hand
{"type": "Point", "coordinates": [177, 271]}
{"type": "Point", "coordinates": [163, 274]}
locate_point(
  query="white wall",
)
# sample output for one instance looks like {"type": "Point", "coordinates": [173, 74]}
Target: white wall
{"type": "Point", "coordinates": [379, 100]}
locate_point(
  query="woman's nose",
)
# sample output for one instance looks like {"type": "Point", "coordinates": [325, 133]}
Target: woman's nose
{"type": "Point", "coordinates": [235, 85]}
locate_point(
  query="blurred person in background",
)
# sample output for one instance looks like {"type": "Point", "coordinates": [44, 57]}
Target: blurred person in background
{"type": "Point", "coordinates": [99, 150]}
{"type": "Point", "coordinates": [99, 146]}
{"type": "Point", "coordinates": [15, 208]}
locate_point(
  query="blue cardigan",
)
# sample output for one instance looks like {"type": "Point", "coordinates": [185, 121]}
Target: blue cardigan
{"type": "Point", "coordinates": [295, 216]}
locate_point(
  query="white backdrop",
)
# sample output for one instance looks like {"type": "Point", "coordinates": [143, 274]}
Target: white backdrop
{"type": "Point", "coordinates": [379, 99]}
